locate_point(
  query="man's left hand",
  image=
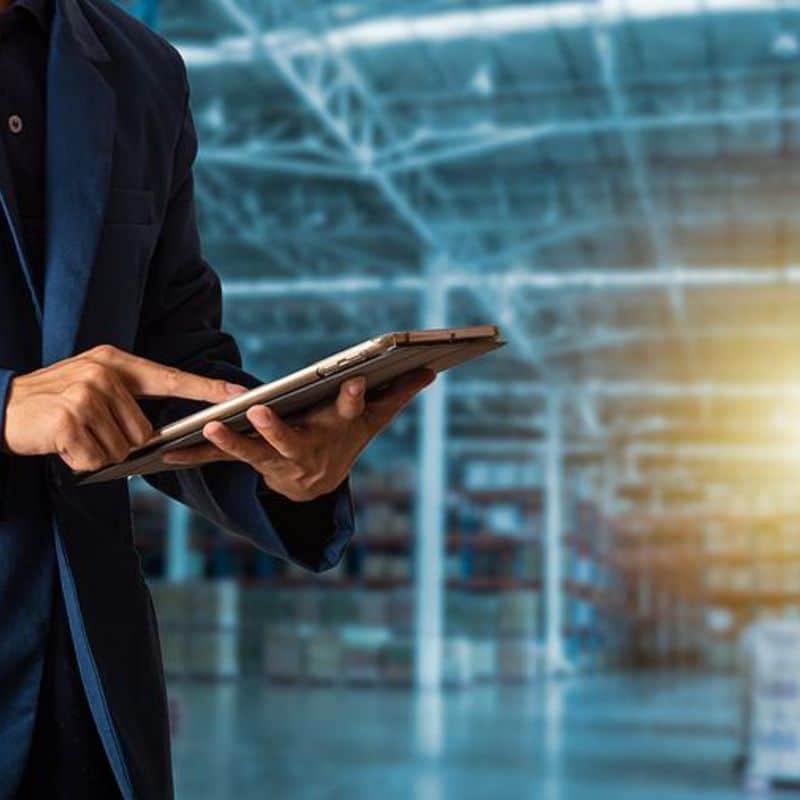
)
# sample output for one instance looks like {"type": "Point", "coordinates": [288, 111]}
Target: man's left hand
{"type": "Point", "coordinates": [311, 457]}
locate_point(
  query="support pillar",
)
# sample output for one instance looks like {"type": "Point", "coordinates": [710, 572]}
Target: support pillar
{"type": "Point", "coordinates": [553, 542]}
{"type": "Point", "coordinates": [177, 566]}
{"type": "Point", "coordinates": [429, 570]}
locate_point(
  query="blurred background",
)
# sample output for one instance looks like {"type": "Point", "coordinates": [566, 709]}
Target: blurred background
{"type": "Point", "coordinates": [577, 571]}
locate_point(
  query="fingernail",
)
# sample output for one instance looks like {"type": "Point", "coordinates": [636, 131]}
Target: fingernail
{"type": "Point", "coordinates": [234, 388]}
{"type": "Point", "coordinates": [356, 388]}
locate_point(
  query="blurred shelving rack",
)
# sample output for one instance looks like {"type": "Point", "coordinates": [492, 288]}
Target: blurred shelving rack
{"type": "Point", "coordinates": [500, 570]}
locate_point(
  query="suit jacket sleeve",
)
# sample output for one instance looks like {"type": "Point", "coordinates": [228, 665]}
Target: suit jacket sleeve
{"type": "Point", "coordinates": [5, 384]}
{"type": "Point", "coordinates": [180, 326]}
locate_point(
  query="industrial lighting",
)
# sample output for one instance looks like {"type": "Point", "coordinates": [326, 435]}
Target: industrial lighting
{"type": "Point", "coordinates": [785, 45]}
{"type": "Point", "coordinates": [213, 116]}
{"type": "Point", "coordinates": [482, 82]}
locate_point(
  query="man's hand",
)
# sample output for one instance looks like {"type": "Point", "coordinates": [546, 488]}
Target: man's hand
{"type": "Point", "coordinates": [83, 408]}
{"type": "Point", "coordinates": [312, 457]}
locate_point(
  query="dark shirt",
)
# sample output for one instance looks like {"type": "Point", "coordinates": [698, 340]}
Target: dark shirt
{"type": "Point", "coordinates": [24, 34]}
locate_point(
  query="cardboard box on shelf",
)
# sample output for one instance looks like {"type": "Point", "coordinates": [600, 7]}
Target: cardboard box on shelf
{"type": "Point", "coordinates": [765, 577]}
{"type": "Point", "coordinates": [362, 649]}
{"type": "Point", "coordinates": [284, 653]}
{"type": "Point", "coordinates": [485, 659]}
{"type": "Point", "coordinates": [519, 660]}
{"type": "Point", "coordinates": [398, 568]}
{"type": "Point", "coordinates": [715, 539]}
{"type": "Point", "coordinates": [251, 643]}
{"type": "Point", "coordinates": [529, 560]}
{"type": "Point", "coordinates": [375, 566]}
{"type": "Point", "coordinates": [401, 610]}
{"type": "Point", "coordinates": [720, 654]}
{"type": "Point", "coordinates": [741, 578]}
{"type": "Point", "coordinates": [214, 604]}
{"type": "Point", "coordinates": [791, 577]}
{"type": "Point", "coordinates": [306, 603]}
{"type": "Point", "coordinates": [457, 606]}
{"type": "Point", "coordinates": [171, 602]}
{"type": "Point", "coordinates": [213, 654]}
{"type": "Point", "coordinates": [335, 608]}
{"type": "Point", "coordinates": [790, 539]}
{"type": "Point", "coordinates": [519, 613]}
{"type": "Point", "coordinates": [458, 666]}
{"type": "Point", "coordinates": [453, 566]}
{"type": "Point", "coordinates": [324, 657]}
{"type": "Point", "coordinates": [254, 602]}
{"type": "Point", "coordinates": [397, 662]}
{"type": "Point", "coordinates": [174, 652]}
{"type": "Point", "coordinates": [372, 608]}
{"type": "Point", "coordinates": [716, 578]}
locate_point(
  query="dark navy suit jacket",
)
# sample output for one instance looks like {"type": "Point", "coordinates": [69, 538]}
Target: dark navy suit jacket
{"type": "Point", "coordinates": [123, 267]}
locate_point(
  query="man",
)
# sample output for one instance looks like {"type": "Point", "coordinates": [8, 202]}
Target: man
{"type": "Point", "coordinates": [106, 300]}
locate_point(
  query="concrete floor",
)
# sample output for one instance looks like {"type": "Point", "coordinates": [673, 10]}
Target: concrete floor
{"type": "Point", "coordinates": [610, 738]}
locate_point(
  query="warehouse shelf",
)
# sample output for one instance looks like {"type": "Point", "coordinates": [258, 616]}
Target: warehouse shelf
{"type": "Point", "coordinates": [492, 551]}
{"type": "Point", "coordinates": [754, 598]}
{"type": "Point", "coordinates": [749, 557]}
{"type": "Point", "coordinates": [493, 584]}
{"type": "Point", "coordinates": [399, 543]}
{"type": "Point", "coordinates": [528, 496]}
{"type": "Point", "coordinates": [479, 541]}
{"type": "Point", "coordinates": [322, 583]}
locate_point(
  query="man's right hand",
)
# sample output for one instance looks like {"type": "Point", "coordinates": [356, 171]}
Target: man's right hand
{"type": "Point", "coordinates": [83, 408]}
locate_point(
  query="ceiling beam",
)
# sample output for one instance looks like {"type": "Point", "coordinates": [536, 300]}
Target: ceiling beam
{"type": "Point", "coordinates": [475, 23]}
{"type": "Point", "coordinates": [605, 279]}
{"type": "Point", "coordinates": [336, 93]}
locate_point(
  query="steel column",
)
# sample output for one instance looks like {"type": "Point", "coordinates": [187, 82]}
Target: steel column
{"type": "Point", "coordinates": [177, 567]}
{"type": "Point", "coordinates": [553, 542]}
{"type": "Point", "coordinates": [430, 510]}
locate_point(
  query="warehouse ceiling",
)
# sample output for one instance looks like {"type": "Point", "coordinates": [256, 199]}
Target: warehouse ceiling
{"type": "Point", "coordinates": [615, 182]}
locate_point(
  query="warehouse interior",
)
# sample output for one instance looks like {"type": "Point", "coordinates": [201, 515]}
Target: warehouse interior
{"type": "Point", "coordinates": [567, 549]}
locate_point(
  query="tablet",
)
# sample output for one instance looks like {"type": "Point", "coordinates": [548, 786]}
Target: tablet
{"type": "Point", "coordinates": [379, 360]}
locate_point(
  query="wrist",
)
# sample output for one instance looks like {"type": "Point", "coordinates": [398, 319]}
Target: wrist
{"type": "Point", "coordinates": [7, 380]}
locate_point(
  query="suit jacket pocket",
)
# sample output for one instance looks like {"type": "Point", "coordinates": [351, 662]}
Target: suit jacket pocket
{"type": "Point", "coordinates": [130, 207]}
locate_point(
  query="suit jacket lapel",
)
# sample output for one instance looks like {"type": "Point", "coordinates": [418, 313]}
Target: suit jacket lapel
{"type": "Point", "coordinates": [80, 140]}
{"type": "Point", "coordinates": [8, 207]}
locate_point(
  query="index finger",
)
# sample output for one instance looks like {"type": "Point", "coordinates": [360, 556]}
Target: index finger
{"type": "Point", "coordinates": [146, 378]}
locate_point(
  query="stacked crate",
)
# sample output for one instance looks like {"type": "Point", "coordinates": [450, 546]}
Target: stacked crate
{"type": "Point", "coordinates": [171, 603]}
{"type": "Point", "coordinates": [772, 667]}
{"type": "Point", "coordinates": [213, 634]}
{"type": "Point", "coordinates": [519, 656]}
{"type": "Point", "coordinates": [323, 657]}
{"type": "Point", "coordinates": [219, 629]}
{"type": "Point", "coordinates": [362, 654]}
{"type": "Point", "coordinates": [199, 625]}
{"type": "Point", "coordinates": [397, 660]}
{"type": "Point", "coordinates": [284, 652]}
